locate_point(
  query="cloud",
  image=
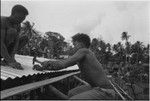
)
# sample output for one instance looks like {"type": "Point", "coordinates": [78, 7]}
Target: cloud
{"type": "Point", "coordinates": [88, 23]}
{"type": "Point", "coordinates": [130, 5]}
{"type": "Point", "coordinates": [106, 19]}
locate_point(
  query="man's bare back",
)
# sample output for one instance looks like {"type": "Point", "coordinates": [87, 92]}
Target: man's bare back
{"type": "Point", "coordinates": [92, 71]}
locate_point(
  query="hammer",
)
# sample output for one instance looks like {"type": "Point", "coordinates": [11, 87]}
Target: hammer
{"type": "Point", "coordinates": [35, 60]}
{"type": "Point", "coordinates": [37, 67]}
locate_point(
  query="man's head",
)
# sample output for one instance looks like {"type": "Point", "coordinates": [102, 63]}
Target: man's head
{"type": "Point", "coordinates": [81, 40]}
{"type": "Point", "coordinates": [19, 13]}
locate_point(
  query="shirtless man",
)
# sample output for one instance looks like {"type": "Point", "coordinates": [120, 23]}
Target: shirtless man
{"type": "Point", "coordinates": [91, 69]}
{"type": "Point", "coordinates": [11, 41]}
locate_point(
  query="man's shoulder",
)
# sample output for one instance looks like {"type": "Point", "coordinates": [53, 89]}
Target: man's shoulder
{"type": "Point", "coordinates": [85, 50]}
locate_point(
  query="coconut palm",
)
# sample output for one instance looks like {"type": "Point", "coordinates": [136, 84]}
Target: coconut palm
{"type": "Point", "coordinates": [125, 37]}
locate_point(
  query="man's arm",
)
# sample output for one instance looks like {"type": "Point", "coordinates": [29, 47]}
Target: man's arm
{"type": "Point", "coordinates": [4, 51]}
{"type": "Point", "coordinates": [61, 64]}
{"type": "Point", "coordinates": [15, 47]}
{"type": "Point", "coordinates": [16, 41]}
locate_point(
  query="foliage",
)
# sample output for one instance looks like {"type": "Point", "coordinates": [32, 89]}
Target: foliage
{"type": "Point", "coordinates": [50, 46]}
{"type": "Point", "coordinates": [56, 43]}
{"type": "Point", "coordinates": [122, 60]}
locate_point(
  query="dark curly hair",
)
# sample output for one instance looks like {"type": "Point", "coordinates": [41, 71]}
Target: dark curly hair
{"type": "Point", "coordinates": [83, 38]}
{"type": "Point", "coordinates": [19, 9]}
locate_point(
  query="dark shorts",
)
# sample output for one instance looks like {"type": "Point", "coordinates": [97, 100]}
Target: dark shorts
{"type": "Point", "coordinates": [95, 93]}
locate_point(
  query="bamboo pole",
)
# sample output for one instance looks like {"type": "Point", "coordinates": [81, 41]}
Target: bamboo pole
{"type": "Point", "coordinates": [57, 92]}
{"type": "Point", "coordinates": [124, 91]}
{"type": "Point", "coordinates": [117, 90]}
{"type": "Point", "coordinates": [84, 82]}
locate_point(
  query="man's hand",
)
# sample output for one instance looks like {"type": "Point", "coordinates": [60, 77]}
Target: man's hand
{"type": "Point", "coordinates": [52, 65]}
{"type": "Point", "coordinates": [38, 67]}
{"type": "Point", "coordinates": [15, 65]}
{"type": "Point", "coordinates": [13, 57]}
{"type": "Point", "coordinates": [46, 65]}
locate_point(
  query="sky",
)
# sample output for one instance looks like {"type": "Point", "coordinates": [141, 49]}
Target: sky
{"type": "Point", "coordinates": [99, 19]}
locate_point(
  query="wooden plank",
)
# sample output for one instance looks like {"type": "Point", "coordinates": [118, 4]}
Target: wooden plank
{"type": "Point", "coordinates": [20, 89]}
{"type": "Point", "coordinates": [84, 82]}
{"type": "Point", "coordinates": [58, 93]}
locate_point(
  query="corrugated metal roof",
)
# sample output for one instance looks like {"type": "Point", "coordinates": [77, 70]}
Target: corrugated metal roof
{"type": "Point", "coordinates": [26, 62]}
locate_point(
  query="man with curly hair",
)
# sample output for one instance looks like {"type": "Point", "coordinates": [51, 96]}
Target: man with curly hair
{"type": "Point", "coordinates": [91, 71]}
{"type": "Point", "coordinates": [11, 41]}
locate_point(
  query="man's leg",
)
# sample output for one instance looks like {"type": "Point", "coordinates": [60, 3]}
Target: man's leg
{"type": "Point", "coordinates": [94, 94]}
{"type": "Point", "coordinates": [78, 90]}
{"type": "Point", "coordinates": [10, 48]}
{"type": "Point", "coordinates": [23, 40]}
{"type": "Point", "coordinates": [9, 42]}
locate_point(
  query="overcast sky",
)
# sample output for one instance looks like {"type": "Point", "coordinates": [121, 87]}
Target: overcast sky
{"type": "Point", "coordinates": [97, 18]}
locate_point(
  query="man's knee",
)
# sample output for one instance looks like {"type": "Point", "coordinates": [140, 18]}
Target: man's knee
{"type": "Point", "coordinates": [90, 95]}
{"type": "Point", "coordinates": [11, 35]}
{"type": "Point", "coordinates": [78, 90]}
{"type": "Point", "coordinates": [11, 32]}
{"type": "Point", "coordinates": [94, 94]}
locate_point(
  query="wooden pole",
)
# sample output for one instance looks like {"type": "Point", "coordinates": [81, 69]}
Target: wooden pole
{"type": "Point", "coordinates": [117, 90]}
{"type": "Point", "coordinates": [57, 92]}
{"type": "Point", "coordinates": [123, 91]}
{"type": "Point", "coordinates": [84, 82]}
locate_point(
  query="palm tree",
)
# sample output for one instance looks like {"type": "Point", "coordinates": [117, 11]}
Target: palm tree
{"type": "Point", "coordinates": [125, 37]}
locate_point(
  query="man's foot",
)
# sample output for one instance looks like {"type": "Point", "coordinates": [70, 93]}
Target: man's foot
{"type": "Point", "coordinates": [15, 65]}
{"type": "Point", "coordinates": [3, 63]}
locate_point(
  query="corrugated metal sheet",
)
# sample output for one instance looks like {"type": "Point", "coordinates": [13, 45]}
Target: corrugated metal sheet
{"type": "Point", "coordinates": [11, 77]}
{"type": "Point", "coordinates": [26, 62]}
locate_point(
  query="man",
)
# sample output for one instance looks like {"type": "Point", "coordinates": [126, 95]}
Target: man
{"type": "Point", "coordinates": [11, 41]}
{"type": "Point", "coordinates": [91, 70]}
